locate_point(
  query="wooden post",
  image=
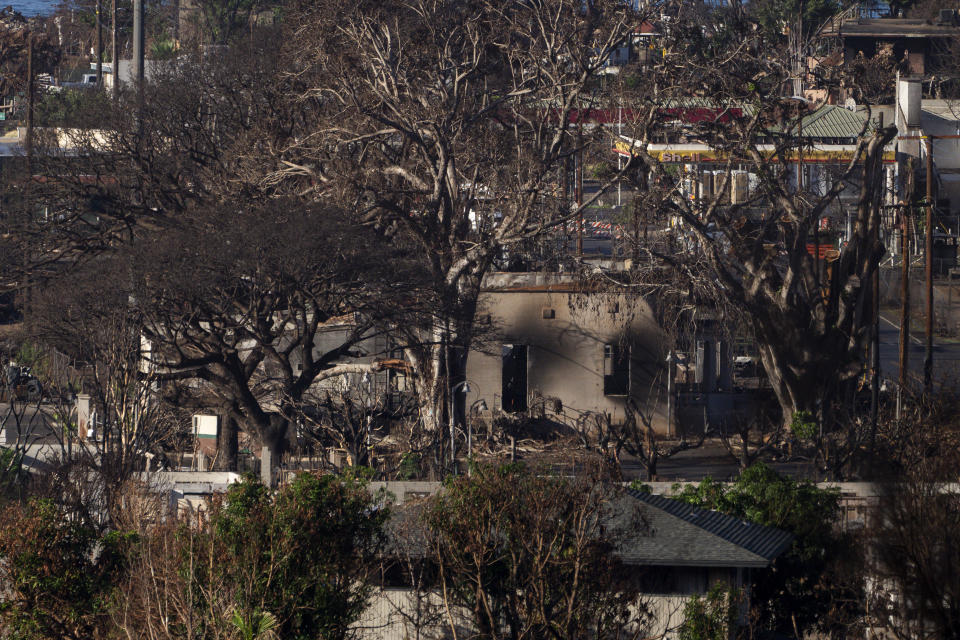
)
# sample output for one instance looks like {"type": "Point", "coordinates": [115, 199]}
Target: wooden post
{"type": "Point", "coordinates": [578, 190]}
{"type": "Point", "coordinates": [928, 360]}
{"type": "Point", "coordinates": [30, 98]}
{"type": "Point", "coordinates": [114, 51]}
{"type": "Point", "coordinates": [875, 346]}
{"type": "Point", "coordinates": [99, 11]}
{"type": "Point", "coordinates": [138, 53]}
{"type": "Point", "coordinates": [905, 215]}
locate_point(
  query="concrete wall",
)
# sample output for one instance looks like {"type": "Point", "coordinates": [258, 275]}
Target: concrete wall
{"type": "Point", "coordinates": [395, 614]}
{"type": "Point", "coordinates": [565, 334]}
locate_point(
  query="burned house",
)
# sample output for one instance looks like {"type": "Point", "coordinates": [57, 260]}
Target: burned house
{"type": "Point", "coordinates": [920, 47]}
{"type": "Point", "coordinates": [554, 349]}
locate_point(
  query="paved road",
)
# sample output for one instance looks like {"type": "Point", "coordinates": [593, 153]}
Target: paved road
{"type": "Point", "coordinates": [710, 460]}
{"type": "Point", "coordinates": [946, 354]}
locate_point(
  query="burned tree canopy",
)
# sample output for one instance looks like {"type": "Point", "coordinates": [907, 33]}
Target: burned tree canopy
{"type": "Point", "coordinates": [240, 306]}
{"type": "Point", "coordinates": [719, 88]}
{"type": "Point", "coordinates": [445, 125]}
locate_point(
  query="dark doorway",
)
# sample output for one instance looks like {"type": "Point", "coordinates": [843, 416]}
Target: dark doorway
{"type": "Point", "coordinates": [514, 376]}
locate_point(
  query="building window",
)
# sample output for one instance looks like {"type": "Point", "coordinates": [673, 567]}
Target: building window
{"type": "Point", "coordinates": [616, 370]}
{"type": "Point", "coordinates": [514, 377]}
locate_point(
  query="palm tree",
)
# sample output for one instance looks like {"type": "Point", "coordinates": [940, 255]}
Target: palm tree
{"type": "Point", "coordinates": [256, 625]}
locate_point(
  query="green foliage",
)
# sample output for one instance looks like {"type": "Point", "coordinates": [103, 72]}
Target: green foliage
{"type": "Point", "coordinates": [777, 17]}
{"type": "Point", "coordinates": [31, 355]}
{"type": "Point", "coordinates": [602, 170]}
{"type": "Point", "coordinates": [409, 467]}
{"type": "Point", "coordinates": [803, 425]}
{"type": "Point", "coordinates": [58, 572]}
{"type": "Point", "coordinates": [641, 486]}
{"type": "Point", "coordinates": [164, 48]}
{"type": "Point", "coordinates": [11, 466]}
{"type": "Point", "coordinates": [359, 473]}
{"type": "Point", "coordinates": [807, 581]}
{"type": "Point", "coordinates": [712, 616]}
{"type": "Point", "coordinates": [257, 625]}
{"type": "Point", "coordinates": [222, 20]}
{"type": "Point", "coordinates": [73, 108]}
{"type": "Point", "coordinates": [302, 555]}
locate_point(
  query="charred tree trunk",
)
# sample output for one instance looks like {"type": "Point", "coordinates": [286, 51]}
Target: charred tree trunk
{"type": "Point", "coordinates": [271, 431]}
{"type": "Point", "coordinates": [228, 443]}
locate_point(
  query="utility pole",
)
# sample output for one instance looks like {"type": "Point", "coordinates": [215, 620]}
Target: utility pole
{"type": "Point", "coordinates": [875, 347]}
{"type": "Point", "coordinates": [30, 99]}
{"type": "Point", "coordinates": [138, 56]}
{"type": "Point", "coordinates": [928, 359]}
{"type": "Point", "coordinates": [578, 195]}
{"type": "Point", "coordinates": [99, 10]}
{"type": "Point", "coordinates": [114, 52]}
{"type": "Point", "coordinates": [904, 310]}
{"type": "Point", "coordinates": [905, 214]}
{"type": "Point", "coordinates": [619, 157]}
{"type": "Point", "coordinates": [27, 284]}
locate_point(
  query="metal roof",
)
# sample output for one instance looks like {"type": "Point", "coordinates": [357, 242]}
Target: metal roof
{"type": "Point", "coordinates": [652, 531]}
{"type": "Point", "coordinates": [681, 534]}
{"type": "Point", "coordinates": [830, 121]}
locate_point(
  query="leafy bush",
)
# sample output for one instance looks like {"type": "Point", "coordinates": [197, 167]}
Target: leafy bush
{"type": "Point", "coordinates": [813, 577]}
{"type": "Point", "coordinates": [803, 425]}
{"type": "Point", "coordinates": [713, 616]}
{"type": "Point", "coordinates": [58, 573]}
{"type": "Point", "coordinates": [303, 555]}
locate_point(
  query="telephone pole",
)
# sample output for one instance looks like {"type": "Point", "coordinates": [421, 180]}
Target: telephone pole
{"type": "Point", "coordinates": [905, 214]}
{"type": "Point", "coordinates": [99, 11]}
{"type": "Point", "coordinates": [875, 338]}
{"type": "Point", "coordinates": [578, 195]}
{"type": "Point", "coordinates": [138, 57]}
{"type": "Point", "coordinates": [928, 359]}
{"type": "Point", "coordinates": [114, 52]}
{"type": "Point", "coordinates": [30, 98]}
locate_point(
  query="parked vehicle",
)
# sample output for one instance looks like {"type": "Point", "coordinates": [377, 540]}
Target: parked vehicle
{"type": "Point", "coordinates": [21, 384]}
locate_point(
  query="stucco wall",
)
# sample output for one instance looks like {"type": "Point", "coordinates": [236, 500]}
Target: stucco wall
{"type": "Point", "coordinates": [565, 334]}
{"type": "Point", "coordinates": [394, 615]}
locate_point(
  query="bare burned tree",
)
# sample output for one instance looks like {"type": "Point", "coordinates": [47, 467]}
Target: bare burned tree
{"type": "Point", "coordinates": [294, 296]}
{"type": "Point", "coordinates": [444, 125]}
{"type": "Point", "coordinates": [719, 85]}
{"type": "Point", "coordinates": [916, 593]}
{"type": "Point", "coordinates": [636, 436]}
{"type": "Point", "coordinates": [16, 33]}
{"type": "Point", "coordinates": [196, 138]}
{"type": "Point", "coordinates": [746, 438]}
{"type": "Point", "coordinates": [127, 422]}
{"type": "Point", "coordinates": [231, 295]}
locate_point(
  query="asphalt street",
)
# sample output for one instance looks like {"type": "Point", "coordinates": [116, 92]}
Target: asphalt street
{"type": "Point", "coordinates": [710, 460]}
{"type": "Point", "coordinates": [946, 353]}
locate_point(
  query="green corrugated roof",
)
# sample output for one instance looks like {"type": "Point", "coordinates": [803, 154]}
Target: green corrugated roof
{"type": "Point", "coordinates": [830, 121]}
